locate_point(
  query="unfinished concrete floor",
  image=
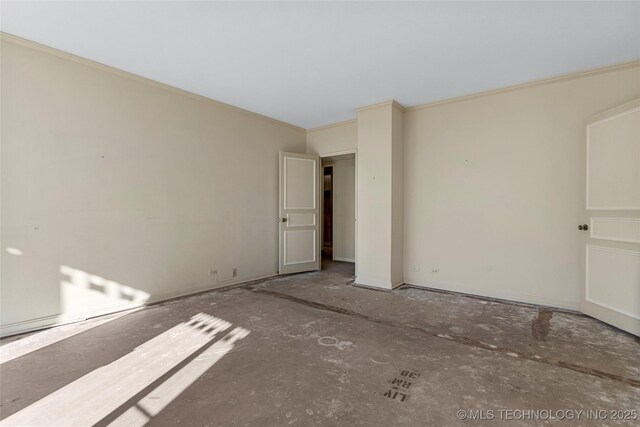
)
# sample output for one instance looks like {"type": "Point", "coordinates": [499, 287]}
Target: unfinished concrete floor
{"type": "Point", "coordinates": [312, 349]}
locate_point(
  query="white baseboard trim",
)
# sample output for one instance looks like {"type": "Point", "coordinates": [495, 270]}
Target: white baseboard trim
{"type": "Point", "coordinates": [155, 299]}
{"type": "Point", "coordinates": [504, 295]}
{"type": "Point", "coordinates": [373, 282]}
{"type": "Point", "coordinates": [46, 322]}
{"type": "Point", "coordinates": [36, 324]}
{"type": "Point", "coordinates": [339, 258]}
{"type": "Point", "coordinates": [396, 284]}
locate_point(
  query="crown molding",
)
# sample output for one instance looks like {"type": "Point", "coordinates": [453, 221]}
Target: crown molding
{"type": "Point", "coordinates": [333, 125]}
{"type": "Point", "coordinates": [613, 112]}
{"type": "Point", "coordinates": [84, 61]}
{"type": "Point", "coordinates": [395, 104]}
{"type": "Point", "coordinates": [392, 102]}
{"type": "Point", "coordinates": [561, 78]}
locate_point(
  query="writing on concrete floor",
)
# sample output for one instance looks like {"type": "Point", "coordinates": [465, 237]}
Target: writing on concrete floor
{"type": "Point", "coordinates": [401, 384]}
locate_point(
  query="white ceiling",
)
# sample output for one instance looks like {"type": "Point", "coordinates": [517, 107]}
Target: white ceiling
{"type": "Point", "coordinates": [313, 63]}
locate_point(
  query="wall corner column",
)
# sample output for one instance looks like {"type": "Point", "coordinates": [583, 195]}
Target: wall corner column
{"type": "Point", "coordinates": [380, 179]}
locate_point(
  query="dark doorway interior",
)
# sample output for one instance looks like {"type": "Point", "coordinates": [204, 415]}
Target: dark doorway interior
{"type": "Point", "coordinates": [327, 216]}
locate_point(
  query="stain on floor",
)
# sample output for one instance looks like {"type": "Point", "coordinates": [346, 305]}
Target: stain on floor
{"type": "Point", "coordinates": [540, 324]}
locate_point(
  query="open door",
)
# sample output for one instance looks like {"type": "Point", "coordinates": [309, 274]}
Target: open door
{"type": "Point", "coordinates": [612, 225]}
{"type": "Point", "coordinates": [299, 213]}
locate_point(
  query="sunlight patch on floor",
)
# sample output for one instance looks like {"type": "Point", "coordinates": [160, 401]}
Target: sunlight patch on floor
{"type": "Point", "coordinates": [96, 395]}
{"type": "Point", "coordinates": [35, 341]}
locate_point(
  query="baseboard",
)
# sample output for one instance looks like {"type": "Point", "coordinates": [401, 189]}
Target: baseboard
{"type": "Point", "coordinates": [66, 318]}
{"type": "Point", "coordinates": [156, 299]}
{"type": "Point", "coordinates": [36, 324]}
{"type": "Point", "coordinates": [338, 258]}
{"type": "Point", "coordinates": [503, 295]}
{"type": "Point", "coordinates": [373, 282]}
{"type": "Point", "coordinates": [396, 284]}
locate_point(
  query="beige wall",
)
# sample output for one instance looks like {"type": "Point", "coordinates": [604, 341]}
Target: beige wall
{"type": "Point", "coordinates": [333, 139]}
{"type": "Point", "coordinates": [115, 190]}
{"type": "Point", "coordinates": [495, 188]}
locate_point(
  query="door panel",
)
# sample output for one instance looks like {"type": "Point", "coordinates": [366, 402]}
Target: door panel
{"type": "Point", "coordinates": [616, 229]}
{"type": "Point", "coordinates": [613, 162]}
{"type": "Point", "coordinates": [612, 255]}
{"type": "Point", "coordinates": [299, 193]}
{"type": "Point", "coordinates": [612, 279]}
{"type": "Point", "coordinates": [299, 182]}
{"type": "Point", "coordinates": [299, 247]}
{"type": "Point", "coordinates": [301, 219]}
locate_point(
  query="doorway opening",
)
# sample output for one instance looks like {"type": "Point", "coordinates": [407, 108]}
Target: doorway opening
{"type": "Point", "coordinates": [338, 208]}
{"type": "Point", "coordinates": [327, 212]}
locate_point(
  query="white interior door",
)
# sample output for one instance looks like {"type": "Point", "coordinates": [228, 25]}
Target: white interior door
{"type": "Point", "coordinates": [612, 231]}
{"type": "Point", "coordinates": [299, 213]}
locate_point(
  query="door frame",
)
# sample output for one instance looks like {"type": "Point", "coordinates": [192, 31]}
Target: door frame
{"type": "Point", "coordinates": [322, 167]}
{"type": "Point", "coordinates": [355, 155]}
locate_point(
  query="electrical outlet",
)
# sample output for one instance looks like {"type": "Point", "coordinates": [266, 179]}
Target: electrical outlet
{"type": "Point", "coordinates": [435, 271]}
{"type": "Point", "coordinates": [235, 272]}
{"type": "Point", "coordinates": [213, 272]}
